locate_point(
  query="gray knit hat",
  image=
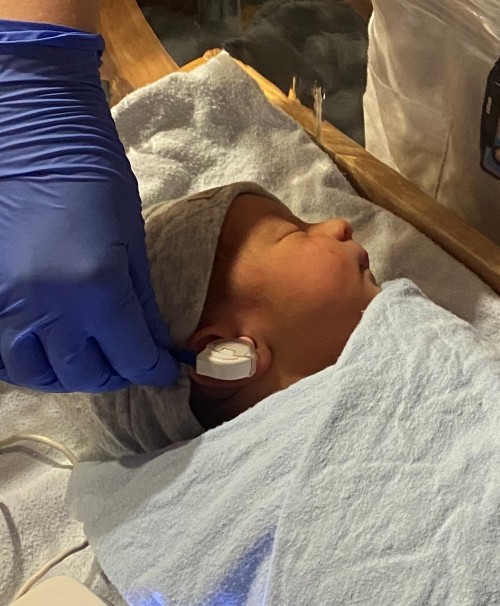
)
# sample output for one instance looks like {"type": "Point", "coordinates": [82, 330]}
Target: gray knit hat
{"type": "Point", "coordinates": [181, 238]}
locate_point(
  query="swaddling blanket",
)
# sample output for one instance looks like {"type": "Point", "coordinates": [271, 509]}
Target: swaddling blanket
{"type": "Point", "coordinates": [374, 482]}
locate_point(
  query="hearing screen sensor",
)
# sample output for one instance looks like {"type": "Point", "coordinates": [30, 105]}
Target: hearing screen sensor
{"type": "Point", "coordinates": [59, 591]}
{"type": "Point", "coordinates": [228, 359]}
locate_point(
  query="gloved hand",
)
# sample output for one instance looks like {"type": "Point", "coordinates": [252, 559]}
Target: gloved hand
{"type": "Point", "coordinates": [77, 311]}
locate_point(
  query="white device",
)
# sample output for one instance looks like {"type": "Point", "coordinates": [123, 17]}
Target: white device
{"type": "Point", "coordinates": [59, 591]}
{"type": "Point", "coordinates": [228, 359]}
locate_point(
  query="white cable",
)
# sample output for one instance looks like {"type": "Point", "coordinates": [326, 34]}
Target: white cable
{"type": "Point", "coordinates": [73, 459]}
{"type": "Point", "coordinates": [46, 567]}
{"type": "Point", "coordinates": [21, 437]}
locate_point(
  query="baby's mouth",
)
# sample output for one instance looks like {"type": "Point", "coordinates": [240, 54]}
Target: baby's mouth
{"type": "Point", "coordinates": [364, 261]}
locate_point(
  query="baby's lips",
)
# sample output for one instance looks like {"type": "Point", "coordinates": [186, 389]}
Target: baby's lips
{"type": "Point", "coordinates": [364, 260]}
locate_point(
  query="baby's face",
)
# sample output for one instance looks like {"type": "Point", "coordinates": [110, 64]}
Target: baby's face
{"type": "Point", "coordinates": [310, 282]}
{"type": "Point", "coordinates": [297, 289]}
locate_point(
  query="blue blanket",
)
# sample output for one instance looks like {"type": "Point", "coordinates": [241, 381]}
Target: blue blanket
{"type": "Point", "coordinates": [375, 482]}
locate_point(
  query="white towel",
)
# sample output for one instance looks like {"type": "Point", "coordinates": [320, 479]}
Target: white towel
{"type": "Point", "coordinates": [185, 133]}
{"type": "Point", "coordinates": [373, 482]}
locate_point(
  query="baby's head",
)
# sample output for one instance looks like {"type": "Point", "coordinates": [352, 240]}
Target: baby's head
{"type": "Point", "coordinates": [296, 289]}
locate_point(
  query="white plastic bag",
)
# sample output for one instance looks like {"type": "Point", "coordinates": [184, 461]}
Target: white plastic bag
{"type": "Point", "coordinates": [428, 70]}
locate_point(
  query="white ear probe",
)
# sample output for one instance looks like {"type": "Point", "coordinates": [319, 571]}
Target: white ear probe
{"type": "Point", "coordinates": [228, 359]}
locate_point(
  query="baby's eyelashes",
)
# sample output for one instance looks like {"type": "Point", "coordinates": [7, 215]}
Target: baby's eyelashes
{"type": "Point", "coordinates": [289, 232]}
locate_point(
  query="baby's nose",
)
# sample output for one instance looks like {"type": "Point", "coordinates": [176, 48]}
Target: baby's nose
{"type": "Point", "coordinates": [340, 229]}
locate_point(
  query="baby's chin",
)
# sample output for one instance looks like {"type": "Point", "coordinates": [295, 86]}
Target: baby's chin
{"type": "Point", "coordinates": [368, 274]}
{"type": "Point", "coordinates": [371, 289]}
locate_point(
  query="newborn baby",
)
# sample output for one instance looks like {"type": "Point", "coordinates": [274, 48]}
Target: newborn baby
{"type": "Point", "coordinates": [232, 262]}
{"type": "Point", "coordinates": [296, 289]}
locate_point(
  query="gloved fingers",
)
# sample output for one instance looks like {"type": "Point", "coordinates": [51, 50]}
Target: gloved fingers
{"type": "Point", "coordinates": [141, 280]}
{"type": "Point", "coordinates": [3, 373]}
{"type": "Point", "coordinates": [79, 363]}
{"type": "Point", "coordinates": [24, 362]}
{"type": "Point", "coordinates": [158, 329]}
{"type": "Point", "coordinates": [128, 345]}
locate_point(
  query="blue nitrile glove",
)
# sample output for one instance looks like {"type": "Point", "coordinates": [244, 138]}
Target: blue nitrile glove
{"type": "Point", "coordinates": [77, 311]}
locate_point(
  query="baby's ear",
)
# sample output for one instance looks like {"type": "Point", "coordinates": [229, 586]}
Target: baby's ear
{"type": "Point", "coordinates": [201, 339]}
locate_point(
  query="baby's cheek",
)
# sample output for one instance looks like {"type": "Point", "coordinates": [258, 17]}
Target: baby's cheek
{"type": "Point", "coordinates": [316, 291]}
{"type": "Point", "coordinates": [332, 272]}
{"type": "Point", "coordinates": [249, 278]}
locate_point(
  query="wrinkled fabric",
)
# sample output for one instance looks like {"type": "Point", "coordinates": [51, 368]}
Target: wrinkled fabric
{"type": "Point", "coordinates": [375, 481]}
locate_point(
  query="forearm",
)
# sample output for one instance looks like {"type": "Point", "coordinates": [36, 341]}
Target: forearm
{"type": "Point", "coordinates": [80, 14]}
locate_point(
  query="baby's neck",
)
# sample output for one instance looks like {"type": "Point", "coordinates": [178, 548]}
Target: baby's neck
{"type": "Point", "coordinates": [206, 403]}
{"type": "Point", "coordinates": [213, 406]}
